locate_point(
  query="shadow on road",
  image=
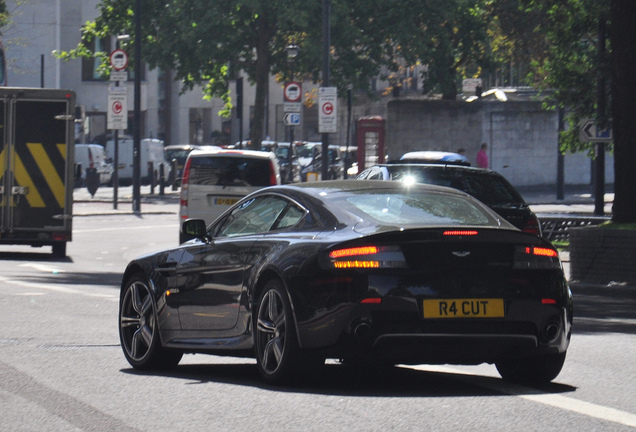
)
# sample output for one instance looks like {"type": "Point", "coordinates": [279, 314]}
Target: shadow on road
{"type": "Point", "coordinates": [604, 309]}
{"type": "Point", "coordinates": [71, 279]}
{"type": "Point", "coordinates": [33, 256]}
{"type": "Point", "coordinates": [340, 380]}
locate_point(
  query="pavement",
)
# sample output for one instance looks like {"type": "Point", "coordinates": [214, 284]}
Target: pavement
{"type": "Point", "coordinates": [104, 202]}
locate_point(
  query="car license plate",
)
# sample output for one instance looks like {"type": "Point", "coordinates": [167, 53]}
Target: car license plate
{"type": "Point", "coordinates": [225, 201]}
{"type": "Point", "coordinates": [464, 308]}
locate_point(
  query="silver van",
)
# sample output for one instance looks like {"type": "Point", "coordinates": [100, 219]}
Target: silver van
{"type": "Point", "coordinates": [214, 180]}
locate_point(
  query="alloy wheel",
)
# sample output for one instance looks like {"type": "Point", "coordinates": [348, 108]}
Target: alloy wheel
{"type": "Point", "coordinates": [272, 325]}
{"type": "Point", "coordinates": [137, 323]}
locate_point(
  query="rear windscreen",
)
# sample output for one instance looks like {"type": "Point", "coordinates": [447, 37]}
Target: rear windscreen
{"type": "Point", "coordinates": [230, 171]}
{"type": "Point", "coordinates": [490, 188]}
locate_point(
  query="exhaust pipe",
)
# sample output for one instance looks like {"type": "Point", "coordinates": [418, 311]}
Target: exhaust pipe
{"type": "Point", "coordinates": [551, 332]}
{"type": "Point", "coordinates": [362, 330]}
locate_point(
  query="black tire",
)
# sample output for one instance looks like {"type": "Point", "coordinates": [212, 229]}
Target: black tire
{"type": "Point", "coordinates": [532, 370]}
{"type": "Point", "coordinates": [276, 343]}
{"type": "Point", "coordinates": [138, 329]}
{"type": "Point", "coordinates": [59, 250]}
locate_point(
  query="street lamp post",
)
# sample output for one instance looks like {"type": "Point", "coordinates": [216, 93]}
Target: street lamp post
{"type": "Point", "coordinates": [136, 204]}
{"type": "Point", "coordinates": [120, 38]}
{"type": "Point", "coordinates": [292, 51]}
{"type": "Point", "coordinates": [326, 46]}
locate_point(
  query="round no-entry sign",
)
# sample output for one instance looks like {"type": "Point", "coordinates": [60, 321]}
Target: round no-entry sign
{"type": "Point", "coordinates": [119, 59]}
{"type": "Point", "coordinates": [293, 92]}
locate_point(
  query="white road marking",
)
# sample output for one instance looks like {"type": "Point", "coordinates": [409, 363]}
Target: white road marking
{"type": "Point", "coordinates": [53, 287]}
{"type": "Point", "coordinates": [558, 401]}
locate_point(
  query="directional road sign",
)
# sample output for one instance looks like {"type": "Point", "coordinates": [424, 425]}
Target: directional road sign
{"type": "Point", "coordinates": [590, 132]}
{"type": "Point", "coordinates": [291, 119]}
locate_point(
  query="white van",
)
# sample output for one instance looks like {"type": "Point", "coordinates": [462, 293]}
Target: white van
{"type": "Point", "coordinates": [151, 150]}
{"type": "Point", "coordinates": [214, 180]}
{"type": "Point", "coordinates": [93, 156]}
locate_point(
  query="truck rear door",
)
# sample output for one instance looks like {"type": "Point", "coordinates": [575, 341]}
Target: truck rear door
{"type": "Point", "coordinates": [36, 201]}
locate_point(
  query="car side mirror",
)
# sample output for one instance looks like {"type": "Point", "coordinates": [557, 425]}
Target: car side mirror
{"type": "Point", "coordinates": [193, 228]}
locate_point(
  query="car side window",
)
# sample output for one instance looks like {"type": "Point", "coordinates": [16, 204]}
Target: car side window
{"type": "Point", "coordinates": [254, 216]}
{"type": "Point", "coordinates": [375, 175]}
{"type": "Point", "coordinates": [291, 217]}
{"type": "Point", "coordinates": [363, 175]}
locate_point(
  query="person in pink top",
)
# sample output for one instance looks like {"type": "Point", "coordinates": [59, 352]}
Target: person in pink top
{"type": "Point", "coordinates": [482, 156]}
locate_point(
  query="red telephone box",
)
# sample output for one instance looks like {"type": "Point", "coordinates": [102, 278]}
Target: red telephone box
{"type": "Point", "coordinates": [370, 132]}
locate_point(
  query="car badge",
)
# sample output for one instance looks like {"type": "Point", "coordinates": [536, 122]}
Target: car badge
{"type": "Point", "coordinates": [461, 254]}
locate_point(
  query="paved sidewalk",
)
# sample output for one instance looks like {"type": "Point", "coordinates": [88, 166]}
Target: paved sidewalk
{"type": "Point", "coordinates": [102, 203]}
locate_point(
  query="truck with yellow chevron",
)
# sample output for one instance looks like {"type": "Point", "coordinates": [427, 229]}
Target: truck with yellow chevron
{"type": "Point", "coordinates": [36, 167]}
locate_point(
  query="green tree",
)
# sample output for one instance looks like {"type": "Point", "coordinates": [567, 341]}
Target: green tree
{"type": "Point", "coordinates": [4, 14]}
{"type": "Point", "coordinates": [568, 66]}
{"type": "Point", "coordinates": [451, 37]}
{"type": "Point", "coordinates": [207, 42]}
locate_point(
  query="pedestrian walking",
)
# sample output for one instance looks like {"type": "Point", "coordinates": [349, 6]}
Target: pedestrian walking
{"type": "Point", "coordinates": [482, 156]}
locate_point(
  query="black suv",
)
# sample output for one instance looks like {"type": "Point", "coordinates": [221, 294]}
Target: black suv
{"type": "Point", "coordinates": [489, 187]}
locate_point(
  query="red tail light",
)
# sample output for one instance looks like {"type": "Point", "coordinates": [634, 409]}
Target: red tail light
{"type": "Point", "coordinates": [542, 251]}
{"type": "Point", "coordinates": [461, 233]}
{"type": "Point", "coordinates": [365, 250]}
{"type": "Point", "coordinates": [535, 257]}
{"type": "Point", "coordinates": [183, 195]}
{"type": "Point", "coordinates": [532, 226]}
{"type": "Point", "coordinates": [371, 300]}
{"type": "Point", "coordinates": [272, 174]}
{"type": "Point", "coordinates": [186, 174]}
{"type": "Point", "coordinates": [367, 257]}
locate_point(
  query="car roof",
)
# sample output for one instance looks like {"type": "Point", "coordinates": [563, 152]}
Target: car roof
{"type": "Point", "coordinates": [181, 147]}
{"type": "Point", "coordinates": [433, 156]}
{"type": "Point", "coordinates": [326, 196]}
{"type": "Point", "coordinates": [322, 188]}
{"type": "Point", "coordinates": [231, 153]}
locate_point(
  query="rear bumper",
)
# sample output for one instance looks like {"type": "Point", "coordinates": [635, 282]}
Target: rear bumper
{"type": "Point", "coordinates": [404, 337]}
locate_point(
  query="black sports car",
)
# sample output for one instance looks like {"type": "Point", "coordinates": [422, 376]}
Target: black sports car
{"type": "Point", "coordinates": [352, 270]}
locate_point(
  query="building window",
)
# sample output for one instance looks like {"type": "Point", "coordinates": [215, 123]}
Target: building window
{"type": "Point", "coordinates": [90, 66]}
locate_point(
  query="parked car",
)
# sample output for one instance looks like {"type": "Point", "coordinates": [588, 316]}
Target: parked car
{"type": "Point", "coordinates": [488, 186]}
{"type": "Point", "coordinates": [214, 180]}
{"type": "Point", "coordinates": [351, 270]}
{"type": "Point", "coordinates": [310, 160]}
{"type": "Point", "coordinates": [93, 156]}
{"type": "Point", "coordinates": [286, 162]}
{"type": "Point", "coordinates": [178, 153]}
{"type": "Point", "coordinates": [449, 158]}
